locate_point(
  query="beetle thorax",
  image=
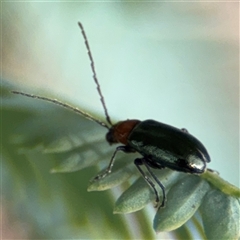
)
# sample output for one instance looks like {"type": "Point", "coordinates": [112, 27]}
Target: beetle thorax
{"type": "Point", "coordinates": [119, 132]}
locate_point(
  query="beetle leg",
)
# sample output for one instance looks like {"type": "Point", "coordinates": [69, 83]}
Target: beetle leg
{"type": "Point", "coordinates": [109, 168]}
{"type": "Point", "coordinates": [158, 182]}
{"type": "Point", "coordinates": [142, 161]}
{"type": "Point", "coordinates": [138, 162]}
{"type": "Point", "coordinates": [184, 130]}
{"type": "Point", "coordinates": [213, 171]}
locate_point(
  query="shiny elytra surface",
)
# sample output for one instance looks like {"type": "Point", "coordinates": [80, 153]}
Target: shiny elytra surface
{"type": "Point", "coordinates": [166, 146]}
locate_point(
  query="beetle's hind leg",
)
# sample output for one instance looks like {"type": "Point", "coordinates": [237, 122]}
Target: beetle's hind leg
{"type": "Point", "coordinates": [141, 161]}
{"type": "Point", "coordinates": [184, 130]}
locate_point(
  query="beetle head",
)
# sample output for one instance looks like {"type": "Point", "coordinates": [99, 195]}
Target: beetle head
{"type": "Point", "coordinates": [119, 132]}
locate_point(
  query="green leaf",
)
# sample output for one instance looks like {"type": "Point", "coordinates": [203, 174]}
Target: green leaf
{"type": "Point", "coordinates": [220, 215]}
{"type": "Point", "coordinates": [184, 198]}
{"type": "Point", "coordinates": [80, 157]}
{"type": "Point", "coordinates": [119, 175]}
{"type": "Point", "coordinates": [140, 194]}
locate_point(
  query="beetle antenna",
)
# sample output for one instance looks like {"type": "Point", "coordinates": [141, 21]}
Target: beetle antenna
{"type": "Point", "coordinates": [55, 101]}
{"type": "Point", "coordinates": [94, 73]}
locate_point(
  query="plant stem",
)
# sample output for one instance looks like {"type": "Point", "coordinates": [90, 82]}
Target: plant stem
{"type": "Point", "coordinates": [221, 184]}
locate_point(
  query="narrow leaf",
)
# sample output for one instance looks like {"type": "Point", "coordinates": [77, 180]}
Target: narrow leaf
{"type": "Point", "coordinates": [184, 198]}
{"type": "Point", "coordinates": [113, 179]}
{"type": "Point", "coordinates": [140, 194]}
{"type": "Point", "coordinates": [221, 216]}
{"type": "Point", "coordinates": [79, 158]}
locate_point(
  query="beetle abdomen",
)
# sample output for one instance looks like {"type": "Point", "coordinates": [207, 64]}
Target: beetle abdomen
{"type": "Point", "coordinates": [168, 146]}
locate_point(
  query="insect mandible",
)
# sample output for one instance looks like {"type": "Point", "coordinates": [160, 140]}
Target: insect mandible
{"type": "Point", "coordinates": [160, 145]}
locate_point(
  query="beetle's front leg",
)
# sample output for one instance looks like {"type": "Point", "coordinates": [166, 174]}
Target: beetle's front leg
{"type": "Point", "coordinates": [125, 149]}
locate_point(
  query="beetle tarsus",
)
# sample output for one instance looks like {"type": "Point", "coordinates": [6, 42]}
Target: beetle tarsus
{"type": "Point", "coordinates": [101, 176]}
{"type": "Point", "coordinates": [156, 204]}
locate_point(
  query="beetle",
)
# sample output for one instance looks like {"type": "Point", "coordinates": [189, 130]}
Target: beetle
{"type": "Point", "coordinates": [160, 145]}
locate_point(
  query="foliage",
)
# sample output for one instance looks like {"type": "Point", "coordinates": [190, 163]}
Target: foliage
{"type": "Point", "coordinates": [38, 136]}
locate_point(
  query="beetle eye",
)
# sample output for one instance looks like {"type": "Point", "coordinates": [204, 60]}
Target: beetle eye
{"type": "Point", "coordinates": [110, 137]}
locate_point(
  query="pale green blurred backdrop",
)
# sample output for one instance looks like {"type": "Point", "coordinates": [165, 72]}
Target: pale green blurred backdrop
{"type": "Point", "coordinates": [173, 62]}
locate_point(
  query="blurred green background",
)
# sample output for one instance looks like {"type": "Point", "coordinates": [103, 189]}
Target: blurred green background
{"type": "Point", "coordinates": [177, 63]}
